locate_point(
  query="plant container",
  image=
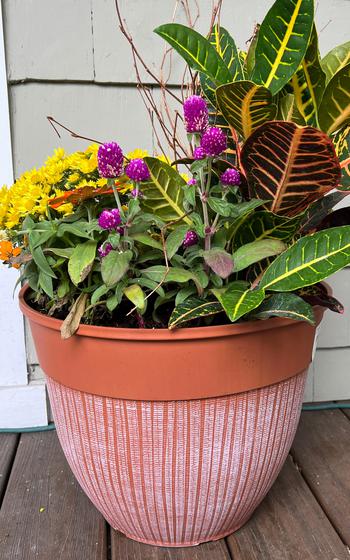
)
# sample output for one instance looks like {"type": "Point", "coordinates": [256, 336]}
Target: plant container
{"type": "Point", "coordinates": [175, 436]}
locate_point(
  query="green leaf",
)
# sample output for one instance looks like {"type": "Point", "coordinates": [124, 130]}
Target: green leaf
{"type": "Point", "coordinates": [146, 239]}
{"type": "Point", "coordinates": [99, 293]}
{"type": "Point", "coordinates": [81, 261]}
{"type": "Point", "coordinates": [63, 287]}
{"type": "Point", "coordinates": [266, 225]}
{"type": "Point", "coordinates": [282, 42]}
{"type": "Point", "coordinates": [114, 266]}
{"type": "Point", "coordinates": [290, 166]}
{"type": "Point", "coordinates": [309, 82]}
{"type": "Point", "coordinates": [335, 107]}
{"type": "Point", "coordinates": [147, 283]}
{"type": "Point", "coordinates": [45, 283]}
{"type": "Point", "coordinates": [237, 300]}
{"type": "Point", "coordinates": [174, 274]}
{"type": "Point", "coordinates": [78, 229]}
{"type": "Point", "coordinates": [164, 194]}
{"type": "Point", "coordinates": [112, 302]}
{"type": "Point", "coordinates": [222, 207]}
{"type": "Point", "coordinates": [245, 106]}
{"type": "Point", "coordinates": [335, 60]}
{"type": "Point", "coordinates": [136, 295]}
{"type": "Point", "coordinates": [66, 253]}
{"type": "Point", "coordinates": [184, 294]}
{"type": "Point", "coordinates": [193, 308]}
{"type": "Point", "coordinates": [41, 261]}
{"type": "Point", "coordinates": [219, 261]}
{"type": "Point", "coordinates": [286, 305]}
{"type": "Point", "coordinates": [256, 251]}
{"type": "Point", "coordinates": [175, 240]}
{"type": "Point", "coordinates": [310, 260]}
{"type": "Point", "coordinates": [196, 50]}
{"type": "Point", "coordinates": [226, 48]}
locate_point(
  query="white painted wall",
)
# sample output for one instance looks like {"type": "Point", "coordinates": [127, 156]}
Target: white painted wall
{"type": "Point", "coordinates": [68, 59]}
{"type": "Point", "coordinates": [21, 405]}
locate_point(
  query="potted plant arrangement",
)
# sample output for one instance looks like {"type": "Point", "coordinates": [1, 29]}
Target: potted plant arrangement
{"type": "Point", "coordinates": [166, 311]}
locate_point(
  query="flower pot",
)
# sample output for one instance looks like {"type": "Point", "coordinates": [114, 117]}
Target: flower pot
{"type": "Point", "coordinates": [175, 436]}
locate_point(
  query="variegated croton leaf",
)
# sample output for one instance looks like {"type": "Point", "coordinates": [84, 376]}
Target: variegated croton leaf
{"type": "Point", "coordinates": [290, 166]}
{"type": "Point", "coordinates": [342, 147]}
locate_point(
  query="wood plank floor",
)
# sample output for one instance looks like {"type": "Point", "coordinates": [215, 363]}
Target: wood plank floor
{"type": "Point", "coordinates": [306, 516]}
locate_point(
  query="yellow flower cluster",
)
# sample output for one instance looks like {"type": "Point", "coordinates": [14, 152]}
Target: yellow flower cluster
{"type": "Point", "coordinates": [32, 191]}
{"type": "Point", "coordinates": [62, 172]}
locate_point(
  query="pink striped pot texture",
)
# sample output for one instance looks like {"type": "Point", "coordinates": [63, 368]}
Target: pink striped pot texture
{"type": "Point", "coordinates": [177, 473]}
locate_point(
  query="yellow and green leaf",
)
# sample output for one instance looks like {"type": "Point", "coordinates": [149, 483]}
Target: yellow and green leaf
{"type": "Point", "coordinates": [226, 47]}
{"type": "Point", "coordinates": [237, 300]}
{"type": "Point", "coordinates": [308, 83]}
{"type": "Point", "coordinates": [342, 147]}
{"type": "Point", "coordinates": [286, 305]}
{"type": "Point", "coordinates": [191, 309]}
{"type": "Point", "coordinates": [245, 106]}
{"type": "Point", "coordinates": [310, 260]}
{"type": "Point", "coordinates": [196, 50]}
{"type": "Point", "coordinates": [164, 193]}
{"type": "Point", "coordinates": [282, 42]}
{"type": "Point", "coordinates": [335, 107]}
{"type": "Point", "coordinates": [335, 60]}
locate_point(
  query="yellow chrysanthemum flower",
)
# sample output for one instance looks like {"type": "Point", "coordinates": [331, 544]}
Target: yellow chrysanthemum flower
{"type": "Point", "coordinates": [138, 153]}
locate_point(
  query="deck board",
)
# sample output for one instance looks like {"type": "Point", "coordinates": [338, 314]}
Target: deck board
{"type": "Point", "coordinates": [45, 514]}
{"type": "Point", "coordinates": [8, 446]}
{"type": "Point", "coordinates": [126, 549]}
{"type": "Point", "coordinates": [322, 449]}
{"type": "Point", "coordinates": [288, 525]}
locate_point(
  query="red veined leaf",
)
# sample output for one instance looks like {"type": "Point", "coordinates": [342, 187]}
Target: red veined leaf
{"type": "Point", "coordinates": [84, 193]}
{"type": "Point", "coordinates": [318, 295]}
{"type": "Point", "coordinates": [289, 165]}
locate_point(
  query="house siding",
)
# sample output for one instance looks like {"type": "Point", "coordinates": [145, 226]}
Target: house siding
{"type": "Point", "coordinates": [68, 59]}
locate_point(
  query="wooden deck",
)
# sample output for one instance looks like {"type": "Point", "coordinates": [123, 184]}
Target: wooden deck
{"type": "Point", "coordinates": [306, 516]}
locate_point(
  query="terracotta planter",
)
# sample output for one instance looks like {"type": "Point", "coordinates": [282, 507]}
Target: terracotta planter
{"type": "Point", "coordinates": [177, 436]}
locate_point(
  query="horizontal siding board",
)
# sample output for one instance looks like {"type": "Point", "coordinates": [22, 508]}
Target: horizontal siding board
{"type": "Point", "coordinates": [80, 39]}
{"type": "Point", "coordinates": [102, 112]}
{"type": "Point", "coordinates": [23, 407]}
{"type": "Point", "coordinates": [335, 328]}
{"type": "Point", "coordinates": [331, 370]}
{"type": "Point", "coordinates": [48, 39]}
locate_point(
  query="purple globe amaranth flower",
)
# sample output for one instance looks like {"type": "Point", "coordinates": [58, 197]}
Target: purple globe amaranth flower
{"type": "Point", "coordinates": [110, 160]}
{"type": "Point", "coordinates": [191, 238]}
{"type": "Point", "coordinates": [196, 114]}
{"type": "Point", "coordinates": [137, 170]}
{"type": "Point", "coordinates": [109, 219]}
{"type": "Point", "coordinates": [104, 250]}
{"type": "Point", "coordinates": [213, 142]}
{"type": "Point", "coordinates": [136, 193]}
{"type": "Point", "coordinates": [192, 182]}
{"type": "Point", "coordinates": [198, 153]}
{"type": "Point", "coordinates": [231, 177]}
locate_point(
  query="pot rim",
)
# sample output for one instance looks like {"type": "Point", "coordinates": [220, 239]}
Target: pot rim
{"type": "Point", "coordinates": [183, 333]}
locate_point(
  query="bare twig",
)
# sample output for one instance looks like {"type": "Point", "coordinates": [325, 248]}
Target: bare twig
{"type": "Point", "coordinates": [53, 122]}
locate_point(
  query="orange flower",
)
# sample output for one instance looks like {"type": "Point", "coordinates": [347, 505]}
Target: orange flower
{"type": "Point", "coordinates": [8, 251]}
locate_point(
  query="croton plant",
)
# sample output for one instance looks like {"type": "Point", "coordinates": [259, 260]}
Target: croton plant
{"type": "Point", "coordinates": [130, 241]}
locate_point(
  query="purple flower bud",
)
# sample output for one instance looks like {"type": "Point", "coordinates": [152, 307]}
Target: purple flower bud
{"type": "Point", "coordinates": [196, 114]}
{"type": "Point", "coordinates": [192, 182]}
{"type": "Point", "coordinates": [198, 153]}
{"type": "Point", "coordinates": [191, 238]}
{"type": "Point", "coordinates": [213, 142]}
{"type": "Point", "coordinates": [103, 250]}
{"type": "Point", "coordinates": [137, 170]}
{"type": "Point", "coordinates": [231, 177]}
{"type": "Point", "coordinates": [109, 219]}
{"type": "Point", "coordinates": [110, 160]}
{"type": "Point", "coordinates": [136, 193]}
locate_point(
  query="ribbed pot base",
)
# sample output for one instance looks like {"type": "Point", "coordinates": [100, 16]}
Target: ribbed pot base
{"type": "Point", "coordinates": [177, 473]}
